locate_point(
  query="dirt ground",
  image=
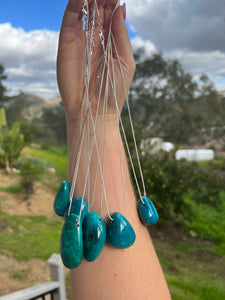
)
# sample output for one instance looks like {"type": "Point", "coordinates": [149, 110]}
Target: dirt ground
{"type": "Point", "coordinates": [16, 275]}
{"type": "Point", "coordinates": [40, 203]}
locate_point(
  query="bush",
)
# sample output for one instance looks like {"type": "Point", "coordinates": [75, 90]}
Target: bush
{"type": "Point", "coordinates": [206, 185]}
{"type": "Point", "coordinates": [169, 181]}
{"type": "Point", "coordinates": [30, 171]}
{"type": "Point", "coordinates": [11, 145]}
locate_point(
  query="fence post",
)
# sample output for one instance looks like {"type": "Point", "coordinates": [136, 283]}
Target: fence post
{"type": "Point", "coordinates": [57, 274]}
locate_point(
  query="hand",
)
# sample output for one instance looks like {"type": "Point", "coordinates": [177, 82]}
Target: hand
{"type": "Point", "coordinates": [70, 60]}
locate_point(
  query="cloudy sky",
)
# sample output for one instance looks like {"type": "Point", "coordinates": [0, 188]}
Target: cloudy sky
{"type": "Point", "coordinates": [191, 30]}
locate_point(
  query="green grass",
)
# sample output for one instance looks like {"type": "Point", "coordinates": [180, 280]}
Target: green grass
{"type": "Point", "coordinates": [181, 290]}
{"type": "Point", "coordinates": [185, 247]}
{"type": "Point", "coordinates": [188, 276]}
{"type": "Point", "coordinates": [30, 237]}
{"type": "Point", "coordinates": [20, 274]}
{"type": "Point", "coordinates": [13, 189]}
{"type": "Point", "coordinates": [209, 223]}
{"type": "Point", "coordinates": [203, 164]}
{"type": "Point", "coordinates": [55, 157]}
{"type": "Point", "coordinates": [195, 275]}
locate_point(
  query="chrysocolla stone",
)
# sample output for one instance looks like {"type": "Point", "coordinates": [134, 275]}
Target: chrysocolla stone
{"type": "Point", "coordinates": [62, 199]}
{"type": "Point", "coordinates": [120, 233]}
{"type": "Point", "coordinates": [147, 211]}
{"type": "Point", "coordinates": [71, 243]}
{"type": "Point", "coordinates": [94, 236]}
{"type": "Point", "coordinates": [75, 209]}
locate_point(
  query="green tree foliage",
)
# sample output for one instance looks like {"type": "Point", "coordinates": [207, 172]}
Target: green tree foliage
{"type": "Point", "coordinates": [168, 182]}
{"type": "Point", "coordinates": [2, 87]}
{"type": "Point", "coordinates": [3, 122]}
{"type": "Point", "coordinates": [167, 102]}
{"type": "Point", "coordinates": [11, 145]}
{"type": "Point", "coordinates": [159, 78]}
{"type": "Point", "coordinates": [15, 109]}
{"type": "Point", "coordinates": [55, 123]}
{"type": "Point", "coordinates": [28, 130]}
{"type": "Point", "coordinates": [31, 170]}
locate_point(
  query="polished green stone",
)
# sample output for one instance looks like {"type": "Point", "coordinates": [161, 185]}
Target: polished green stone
{"type": "Point", "coordinates": [62, 199]}
{"type": "Point", "coordinates": [71, 243]}
{"type": "Point", "coordinates": [75, 208]}
{"type": "Point", "coordinates": [120, 234]}
{"type": "Point", "coordinates": [94, 236]}
{"type": "Point", "coordinates": [147, 211]}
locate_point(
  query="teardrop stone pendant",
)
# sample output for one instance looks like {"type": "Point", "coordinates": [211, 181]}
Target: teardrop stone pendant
{"type": "Point", "coordinates": [120, 234]}
{"type": "Point", "coordinates": [71, 242]}
{"type": "Point", "coordinates": [147, 211]}
{"type": "Point", "coordinates": [75, 209]}
{"type": "Point", "coordinates": [94, 236]}
{"type": "Point", "coordinates": [62, 199]}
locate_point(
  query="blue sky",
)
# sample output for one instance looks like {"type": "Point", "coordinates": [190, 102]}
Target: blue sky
{"type": "Point", "coordinates": [31, 15]}
{"type": "Point", "coordinates": [192, 31]}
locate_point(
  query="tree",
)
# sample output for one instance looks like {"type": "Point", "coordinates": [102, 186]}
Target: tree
{"type": "Point", "coordinates": [160, 78]}
{"type": "Point", "coordinates": [167, 101]}
{"type": "Point", "coordinates": [55, 122]}
{"type": "Point", "coordinates": [3, 89]}
{"type": "Point", "coordinates": [3, 122]}
{"type": "Point", "coordinates": [11, 145]}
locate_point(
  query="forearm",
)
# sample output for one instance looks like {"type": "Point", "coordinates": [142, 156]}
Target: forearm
{"type": "Point", "coordinates": [133, 273]}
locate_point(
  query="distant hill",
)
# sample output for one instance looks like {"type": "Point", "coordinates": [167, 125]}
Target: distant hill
{"type": "Point", "coordinates": [198, 122]}
{"type": "Point", "coordinates": [33, 100]}
{"type": "Point", "coordinates": [28, 106]}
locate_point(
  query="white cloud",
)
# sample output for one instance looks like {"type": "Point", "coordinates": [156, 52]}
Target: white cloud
{"type": "Point", "coordinates": [29, 59]}
{"type": "Point", "coordinates": [137, 42]}
{"type": "Point", "coordinates": [192, 31]}
{"type": "Point", "coordinates": [211, 63]}
{"type": "Point", "coordinates": [195, 25]}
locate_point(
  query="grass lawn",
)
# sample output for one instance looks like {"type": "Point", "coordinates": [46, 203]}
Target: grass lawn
{"type": "Point", "coordinates": [55, 157]}
{"type": "Point", "coordinates": [192, 272]}
{"type": "Point", "coordinates": [30, 236]}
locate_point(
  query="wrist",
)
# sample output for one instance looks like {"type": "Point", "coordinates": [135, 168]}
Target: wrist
{"type": "Point", "coordinates": [73, 128]}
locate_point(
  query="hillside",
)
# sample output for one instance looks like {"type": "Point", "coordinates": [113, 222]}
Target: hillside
{"type": "Point", "coordinates": [197, 122]}
{"type": "Point", "coordinates": [29, 106]}
{"type": "Point", "coordinates": [192, 123]}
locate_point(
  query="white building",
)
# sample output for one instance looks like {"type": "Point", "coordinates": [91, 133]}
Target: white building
{"type": "Point", "coordinates": [195, 155]}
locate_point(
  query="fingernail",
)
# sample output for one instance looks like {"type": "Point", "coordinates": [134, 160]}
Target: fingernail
{"type": "Point", "coordinates": [124, 11]}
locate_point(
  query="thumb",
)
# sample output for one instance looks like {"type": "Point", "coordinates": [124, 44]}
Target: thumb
{"type": "Point", "coordinates": [121, 37]}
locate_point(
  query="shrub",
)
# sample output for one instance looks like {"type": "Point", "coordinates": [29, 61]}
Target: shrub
{"type": "Point", "coordinates": [11, 145]}
{"type": "Point", "coordinates": [169, 181]}
{"type": "Point", "coordinates": [30, 171]}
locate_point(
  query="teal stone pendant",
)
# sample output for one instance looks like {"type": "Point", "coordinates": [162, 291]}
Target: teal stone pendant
{"type": "Point", "coordinates": [75, 209]}
{"type": "Point", "coordinates": [62, 199]}
{"type": "Point", "coordinates": [120, 234]}
{"type": "Point", "coordinates": [147, 211]}
{"type": "Point", "coordinates": [71, 243]}
{"type": "Point", "coordinates": [94, 236]}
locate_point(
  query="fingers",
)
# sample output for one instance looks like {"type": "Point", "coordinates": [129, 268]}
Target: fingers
{"type": "Point", "coordinates": [109, 7]}
{"type": "Point", "coordinates": [73, 13]}
{"type": "Point", "coordinates": [121, 37]}
{"type": "Point", "coordinates": [75, 5]}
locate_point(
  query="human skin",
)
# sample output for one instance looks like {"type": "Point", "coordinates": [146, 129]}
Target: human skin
{"type": "Point", "coordinates": [133, 273]}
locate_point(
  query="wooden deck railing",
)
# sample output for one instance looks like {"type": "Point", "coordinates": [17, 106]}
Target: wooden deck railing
{"type": "Point", "coordinates": [55, 289]}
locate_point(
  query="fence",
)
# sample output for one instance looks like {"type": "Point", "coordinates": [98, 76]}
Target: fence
{"type": "Point", "coordinates": [55, 289]}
